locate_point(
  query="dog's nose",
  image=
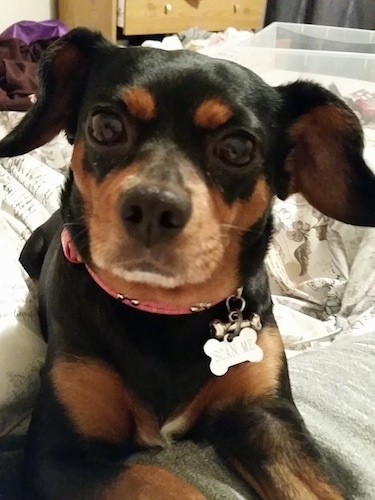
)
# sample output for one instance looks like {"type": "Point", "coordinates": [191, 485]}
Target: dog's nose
{"type": "Point", "coordinates": [152, 214]}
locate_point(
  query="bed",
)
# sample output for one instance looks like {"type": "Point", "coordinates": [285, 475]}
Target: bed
{"type": "Point", "coordinates": [323, 278]}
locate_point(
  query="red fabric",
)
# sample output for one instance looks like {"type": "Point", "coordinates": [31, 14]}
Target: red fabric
{"type": "Point", "coordinates": [18, 73]}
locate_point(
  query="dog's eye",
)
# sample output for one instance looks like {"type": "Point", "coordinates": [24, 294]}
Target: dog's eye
{"type": "Point", "coordinates": [106, 127]}
{"type": "Point", "coordinates": [235, 149]}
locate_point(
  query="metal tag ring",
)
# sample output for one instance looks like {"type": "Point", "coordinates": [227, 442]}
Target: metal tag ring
{"type": "Point", "coordinates": [235, 303]}
{"type": "Point", "coordinates": [235, 316]}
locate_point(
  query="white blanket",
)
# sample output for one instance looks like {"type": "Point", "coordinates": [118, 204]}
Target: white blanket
{"type": "Point", "coordinates": [29, 193]}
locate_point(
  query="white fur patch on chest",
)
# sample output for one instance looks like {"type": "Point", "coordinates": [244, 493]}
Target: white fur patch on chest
{"type": "Point", "coordinates": [173, 428]}
{"type": "Point", "coordinates": [170, 429]}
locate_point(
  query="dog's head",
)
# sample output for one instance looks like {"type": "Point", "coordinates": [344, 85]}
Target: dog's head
{"type": "Point", "coordinates": [177, 157]}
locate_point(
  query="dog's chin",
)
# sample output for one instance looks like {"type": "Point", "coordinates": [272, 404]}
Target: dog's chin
{"type": "Point", "coordinates": [155, 277]}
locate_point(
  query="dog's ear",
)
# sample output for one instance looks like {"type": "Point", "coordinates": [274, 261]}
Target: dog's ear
{"type": "Point", "coordinates": [322, 155]}
{"type": "Point", "coordinates": [62, 73]}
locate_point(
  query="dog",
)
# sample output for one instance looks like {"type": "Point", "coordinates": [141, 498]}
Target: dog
{"type": "Point", "coordinates": [153, 290]}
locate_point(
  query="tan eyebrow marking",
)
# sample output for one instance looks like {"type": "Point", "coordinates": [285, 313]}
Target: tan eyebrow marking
{"type": "Point", "coordinates": [140, 103]}
{"type": "Point", "coordinates": [212, 113]}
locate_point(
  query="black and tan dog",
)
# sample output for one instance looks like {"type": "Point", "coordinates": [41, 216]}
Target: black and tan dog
{"type": "Point", "coordinates": [164, 225]}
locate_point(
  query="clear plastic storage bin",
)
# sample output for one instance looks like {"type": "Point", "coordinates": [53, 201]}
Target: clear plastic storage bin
{"type": "Point", "coordinates": [312, 37]}
{"type": "Point", "coordinates": [283, 52]}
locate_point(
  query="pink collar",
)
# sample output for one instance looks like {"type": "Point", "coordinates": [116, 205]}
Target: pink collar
{"type": "Point", "coordinates": [72, 255]}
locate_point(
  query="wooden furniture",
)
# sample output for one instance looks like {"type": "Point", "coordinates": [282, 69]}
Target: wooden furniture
{"type": "Point", "coordinates": [95, 14]}
{"type": "Point", "coordinates": [146, 17]}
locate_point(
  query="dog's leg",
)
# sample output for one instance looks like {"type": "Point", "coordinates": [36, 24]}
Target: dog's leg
{"type": "Point", "coordinates": [84, 480]}
{"type": "Point", "coordinates": [256, 428]}
{"type": "Point", "coordinates": [267, 443]}
{"type": "Point", "coordinates": [146, 482]}
{"type": "Point", "coordinates": [84, 427]}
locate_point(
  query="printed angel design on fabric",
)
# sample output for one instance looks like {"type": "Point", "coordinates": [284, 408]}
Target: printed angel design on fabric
{"type": "Point", "coordinates": [321, 227]}
{"type": "Point", "coordinates": [299, 232]}
{"type": "Point", "coordinates": [282, 219]}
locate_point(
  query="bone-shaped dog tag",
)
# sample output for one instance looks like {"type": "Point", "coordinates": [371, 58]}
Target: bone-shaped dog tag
{"type": "Point", "coordinates": [225, 354]}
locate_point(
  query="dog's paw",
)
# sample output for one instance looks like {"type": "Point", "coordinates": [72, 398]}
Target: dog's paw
{"type": "Point", "coordinates": [146, 482]}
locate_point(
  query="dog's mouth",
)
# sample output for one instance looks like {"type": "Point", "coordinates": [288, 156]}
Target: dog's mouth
{"type": "Point", "coordinates": [150, 273]}
{"type": "Point", "coordinates": [188, 259]}
{"type": "Point", "coordinates": [149, 267]}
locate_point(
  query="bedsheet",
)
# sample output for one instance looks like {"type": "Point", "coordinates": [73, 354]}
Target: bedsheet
{"type": "Point", "coordinates": [29, 193]}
